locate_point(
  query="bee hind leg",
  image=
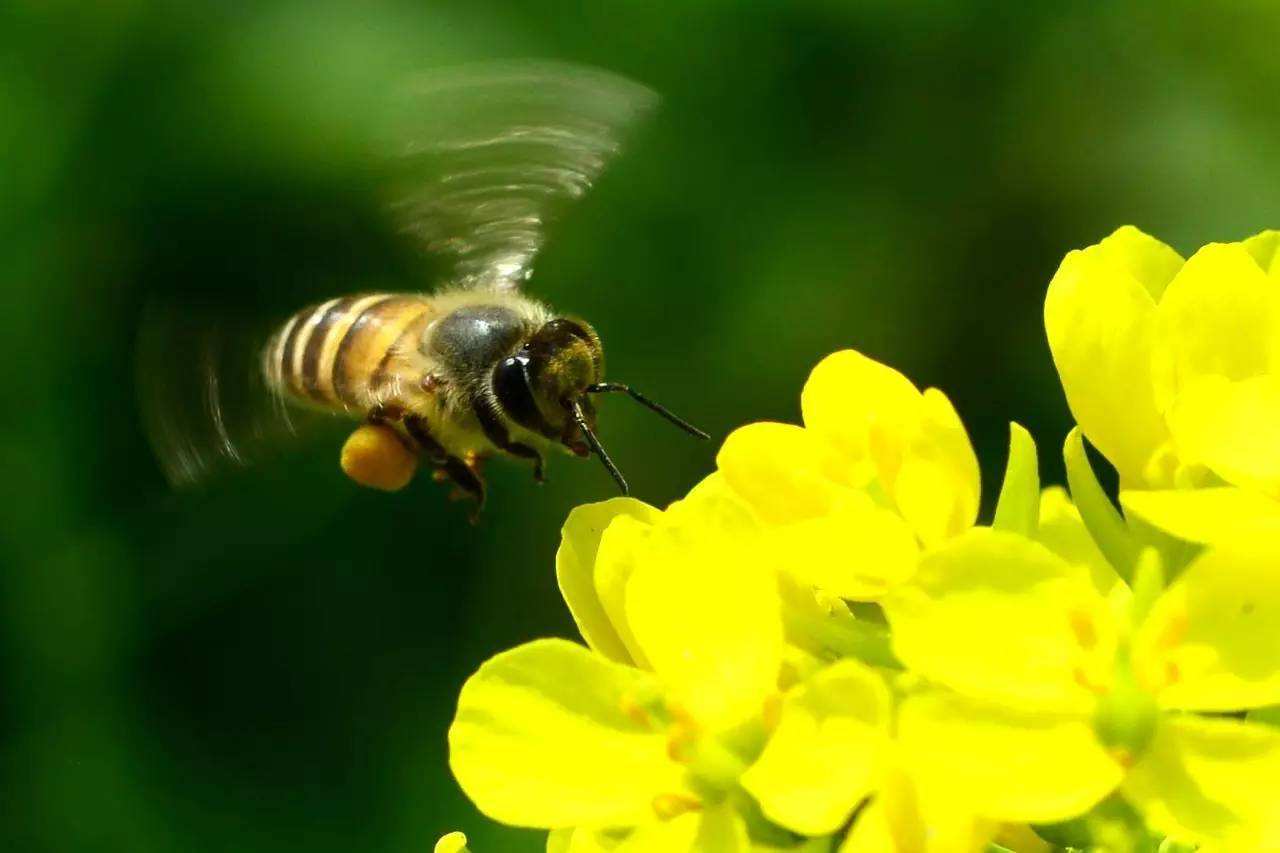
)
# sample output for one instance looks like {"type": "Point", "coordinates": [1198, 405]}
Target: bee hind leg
{"type": "Point", "coordinates": [465, 477]}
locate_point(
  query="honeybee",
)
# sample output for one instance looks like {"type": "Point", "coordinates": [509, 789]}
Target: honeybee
{"type": "Point", "coordinates": [487, 157]}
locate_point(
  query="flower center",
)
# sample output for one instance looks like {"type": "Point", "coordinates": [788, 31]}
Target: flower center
{"type": "Point", "coordinates": [1125, 718]}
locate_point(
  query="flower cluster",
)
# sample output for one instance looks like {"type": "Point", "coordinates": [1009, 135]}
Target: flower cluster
{"type": "Point", "coordinates": [821, 649]}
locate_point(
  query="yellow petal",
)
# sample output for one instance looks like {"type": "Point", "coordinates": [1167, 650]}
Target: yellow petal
{"type": "Point", "coordinates": [1006, 765]}
{"type": "Point", "coordinates": [583, 840]}
{"type": "Point", "coordinates": [1063, 532]}
{"type": "Point", "coordinates": [575, 569]}
{"type": "Point", "coordinates": [718, 829]}
{"type": "Point", "coordinates": [857, 551]}
{"type": "Point", "coordinates": [873, 833]}
{"type": "Point", "coordinates": [1212, 640]}
{"type": "Point", "coordinates": [541, 739]}
{"type": "Point", "coordinates": [1021, 838]}
{"type": "Point", "coordinates": [454, 842]}
{"type": "Point", "coordinates": [891, 821]}
{"type": "Point", "coordinates": [935, 484]}
{"type": "Point", "coordinates": [1232, 428]}
{"type": "Point", "coordinates": [996, 615]}
{"type": "Point", "coordinates": [711, 504]}
{"type": "Point", "coordinates": [784, 472]}
{"type": "Point", "coordinates": [848, 394]}
{"type": "Point", "coordinates": [624, 546]}
{"type": "Point", "coordinates": [1101, 326]}
{"type": "Point", "coordinates": [880, 427]}
{"type": "Point", "coordinates": [1204, 515]}
{"type": "Point", "coordinates": [901, 817]}
{"type": "Point", "coordinates": [1151, 263]}
{"type": "Point", "coordinates": [1264, 248]}
{"type": "Point", "coordinates": [1217, 318]}
{"type": "Point", "coordinates": [822, 758]}
{"type": "Point", "coordinates": [708, 617]}
{"type": "Point", "coordinates": [1205, 780]}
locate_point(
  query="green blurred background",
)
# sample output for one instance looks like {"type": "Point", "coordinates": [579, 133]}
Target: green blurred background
{"type": "Point", "coordinates": [271, 663]}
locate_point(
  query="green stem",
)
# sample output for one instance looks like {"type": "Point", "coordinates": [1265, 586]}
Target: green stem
{"type": "Point", "coordinates": [1100, 516]}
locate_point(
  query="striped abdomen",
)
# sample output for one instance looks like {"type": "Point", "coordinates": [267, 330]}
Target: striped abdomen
{"type": "Point", "coordinates": [337, 354]}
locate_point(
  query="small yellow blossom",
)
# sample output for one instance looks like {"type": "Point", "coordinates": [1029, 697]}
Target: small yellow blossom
{"type": "Point", "coordinates": [689, 646]}
{"type": "Point", "coordinates": [825, 754]}
{"type": "Point", "coordinates": [1172, 370]}
{"type": "Point", "coordinates": [662, 724]}
{"type": "Point", "coordinates": [686, 725]}
{"type": "Point", "coordinates": [1048, 701]}
{"type": "Point", "coordinates": [878, 470]}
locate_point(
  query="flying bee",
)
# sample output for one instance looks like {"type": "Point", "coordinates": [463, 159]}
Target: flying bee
{"type": "Point", "coordinates": [456, 377]}
{"type": "Point", "coordinates": [485, 157]}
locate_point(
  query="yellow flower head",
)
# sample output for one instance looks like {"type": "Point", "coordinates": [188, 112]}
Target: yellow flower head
{"type": "Point", "coordinates": [662, 726]}
{"type": "Point", "coordinates": [686, 645]}
{"type": "Point", "coordinates": [878, 469]}
{"type": "Point", "coordinates": [1172, 370]}
{"type": "Point", "coordinates": [1049, 697]}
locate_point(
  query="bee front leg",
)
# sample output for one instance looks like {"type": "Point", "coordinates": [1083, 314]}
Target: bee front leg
{"type": "Point", "coordinates": [497, 433]}
{"type": "Point", "coordinates": [464, 476]}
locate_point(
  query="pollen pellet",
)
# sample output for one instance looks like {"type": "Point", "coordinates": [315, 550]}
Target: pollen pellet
{"type": "Point", "coordinates": [376, 456]}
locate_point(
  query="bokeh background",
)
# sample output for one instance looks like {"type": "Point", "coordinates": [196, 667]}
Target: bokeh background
{"type": "Point", "coordinates": [270, 663]}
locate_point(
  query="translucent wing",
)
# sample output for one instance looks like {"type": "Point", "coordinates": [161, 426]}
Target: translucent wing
{"type": "Point", "coordinates": [489, 155]}
{"type": "Point", "coordinates": [205, 406]}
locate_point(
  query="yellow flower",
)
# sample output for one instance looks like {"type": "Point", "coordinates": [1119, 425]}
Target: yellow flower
{"type": "Point", "coordinates": [656, 729]}
{"type": "Point", "coordinates": [686, 637]}
{"type": "Point", "coordinates": [827, 750]}
{"type": "Point", "coordinates": [1172, 370]}
{"type": "Point", "coordinates": [878, 469]}
{"type": "Point", "coordinates": [1048, 698]}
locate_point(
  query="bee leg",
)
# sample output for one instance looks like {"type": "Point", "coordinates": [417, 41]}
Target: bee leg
{"type": "Point", "coordinates": [455, 469]}
{"type": "Point", "coordinates": [468, 484]}
{"type": "Point", "coordinates": [496, 431]}
{"type": "Point", "coordinates": [386, 413]}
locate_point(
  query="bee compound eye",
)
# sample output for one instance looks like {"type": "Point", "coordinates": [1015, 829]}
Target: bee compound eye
{"type": "Point", "coordinates": [513, 388]}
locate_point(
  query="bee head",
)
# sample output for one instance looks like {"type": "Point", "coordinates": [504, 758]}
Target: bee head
{"type": "Point", "coordinates": [539, 385]}
{"type": "Point", "coordinates": [546, 387]}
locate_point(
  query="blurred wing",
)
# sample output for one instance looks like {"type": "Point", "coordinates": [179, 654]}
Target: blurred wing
{"type": "Point", "coordinates": [205, 406]}
{"type": "Point", "coordinates": [489, 155]}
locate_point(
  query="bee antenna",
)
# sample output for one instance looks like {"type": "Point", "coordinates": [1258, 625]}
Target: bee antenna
{"type": "Point", "coordinates": [581, 420]}
{"type": "Point", "coordinates": [607, 387]}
